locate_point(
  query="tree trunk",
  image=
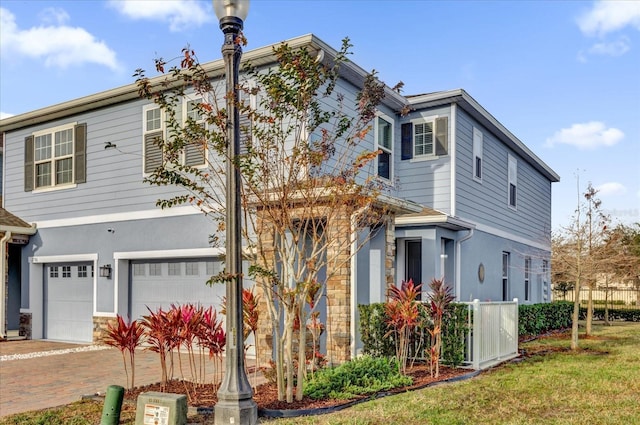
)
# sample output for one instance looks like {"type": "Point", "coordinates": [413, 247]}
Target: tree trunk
{"type": "Point", "coordinates": [288, 360]}
{"type": "Point", "coordinates": [302, 353]}
{"type": "Point", "coordinates": [589, 309]}
{"type": "Point", "coordinates": [606, 300]}
{"type": "Point", "coordinates": [576, 316]}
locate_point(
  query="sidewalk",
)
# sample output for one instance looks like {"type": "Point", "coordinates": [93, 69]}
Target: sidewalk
{"type": "Point", "coordinates": [56, 379]}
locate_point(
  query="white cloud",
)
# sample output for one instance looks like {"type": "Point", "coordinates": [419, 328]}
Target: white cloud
{"type": "Point", "coordinates": [588, 135]}
{"type": "Point", "coordinates": [58, 44]}
{"type": "Point", "coordinates": [615, 48]}
{"type": "Point", "coordinates": [610, 16]}
{"type": "Point", "coordinates": [54, 16]}
{"type": "Point", "coordinates": [611, 189]}
{"type": "Point", "coordinates": [179, 14]}
{"type": "Point", "coordinates": [4, 115]}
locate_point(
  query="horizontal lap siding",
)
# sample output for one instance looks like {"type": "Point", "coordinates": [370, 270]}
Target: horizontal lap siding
{"type": "Point", "coordinates": [487, 202]}
{"type": "Point", "coordinates": [114, 176]}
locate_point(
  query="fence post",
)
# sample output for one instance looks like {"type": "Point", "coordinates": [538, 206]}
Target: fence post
{"type": "Point", "coordinates": [475, 358]}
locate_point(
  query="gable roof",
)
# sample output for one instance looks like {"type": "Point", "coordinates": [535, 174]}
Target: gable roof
{"type": "Point", "coordinates": [257, 57]}
{"type": "Point", "coordinates": [473, 108]}
{"type": "Point", "coordinates": [12, 223]}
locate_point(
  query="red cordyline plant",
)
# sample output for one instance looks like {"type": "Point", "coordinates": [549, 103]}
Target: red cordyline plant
{"type": "Point", "coordinates": [212, 337]}
{"type": "Point", "coordinates": [250, 317]}
{"type": "Point", "coordinates": [439, 299]}
{"type": "Point", "coordinates": [126, 337]}
{"type": "Point", "coordinates": [160, 339]}
{"type": "Point", "coordinates": [403, 312]}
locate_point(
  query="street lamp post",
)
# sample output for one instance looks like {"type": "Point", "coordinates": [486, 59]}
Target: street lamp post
{"type": "Point", "coordinates": [235, 403]}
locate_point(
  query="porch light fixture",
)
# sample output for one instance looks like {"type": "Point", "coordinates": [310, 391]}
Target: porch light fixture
{"type": "Point", "coordinates": [235, 395]}
{"type": "Point", "coordinates": [105, 271]}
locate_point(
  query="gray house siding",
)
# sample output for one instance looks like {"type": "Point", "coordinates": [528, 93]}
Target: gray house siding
{"type": "Point", "coordinates": [486, 249]}
{"type": "Point", "coordinates": [486, 202]}
{"type": "Point", "coordinates": [114, 182]}
{"type": "Point", "coordinates": [427, 180]}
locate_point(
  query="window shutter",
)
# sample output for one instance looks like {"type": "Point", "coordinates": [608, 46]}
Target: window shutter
{"type": "Point", "coordinates": [245, 132]}
{"type": "Point", "coordinates": [80, 153]}
{"type": "Point", "coordinates": [152, 151]}
{"type": "Point", "coordinates": [194, 153]}
{"type": "Point", "coordinates": [28, 164]}
{"type": "Point", "coordinates": [406, 141]}
{"type": "Point", "coordinates": [442, 135]}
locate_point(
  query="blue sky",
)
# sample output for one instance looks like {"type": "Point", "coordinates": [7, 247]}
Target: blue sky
{"type": "Point", "coordinates": [564, 77]}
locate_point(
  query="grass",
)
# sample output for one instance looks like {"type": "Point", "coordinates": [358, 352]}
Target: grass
{"type": "Point", "coordinates": [598, 384]}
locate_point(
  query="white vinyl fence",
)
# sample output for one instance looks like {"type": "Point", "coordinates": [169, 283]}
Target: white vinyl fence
{"type": "Point", "coordinates": [493, 333]}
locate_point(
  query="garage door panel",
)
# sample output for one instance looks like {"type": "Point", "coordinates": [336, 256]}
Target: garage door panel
{"type": "Point", "coordinates": [159, 284]}
{"type": "Point", "coordinates": [69, 302]}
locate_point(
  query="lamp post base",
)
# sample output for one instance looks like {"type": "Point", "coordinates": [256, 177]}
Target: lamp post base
{"type": "Point", "coordinates": [240, 412]}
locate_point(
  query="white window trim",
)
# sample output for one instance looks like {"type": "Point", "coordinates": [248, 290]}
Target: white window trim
{"type": "Point", "coordinates": [477, 150]}
{"type": "Point", "coordinates": [53, 187]}
{"type": "Point", "coordinates": [512, 178]}
{"type": "Point", "coordinates": [424, 120]}
{"type": "Point", "coordinates": [390, 150]}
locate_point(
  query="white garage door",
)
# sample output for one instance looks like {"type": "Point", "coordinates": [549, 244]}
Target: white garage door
{"type": "Point", "coordinates": [68, 302]}
{"type": "Point", "coordinates": [160, 283]}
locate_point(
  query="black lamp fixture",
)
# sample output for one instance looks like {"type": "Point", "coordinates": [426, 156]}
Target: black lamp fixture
{"type": "Point", "coordinates": [235, 395]}
{"type": "Point", "coordinates": [105, 271]}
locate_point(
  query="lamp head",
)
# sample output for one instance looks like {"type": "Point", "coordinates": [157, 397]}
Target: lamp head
{"type": "Point", "coordinates": [231, 8]}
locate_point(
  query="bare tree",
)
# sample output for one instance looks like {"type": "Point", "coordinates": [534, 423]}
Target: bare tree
{"type": "Point", "coordinates": [309, 193]}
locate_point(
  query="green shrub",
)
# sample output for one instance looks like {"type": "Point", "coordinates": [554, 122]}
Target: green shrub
{"type": "Point", "coordinates": [454, 334]}
{"type": "Point", "coordinates": [623, 315]}
{"type": "Point", "coordinates": [536, 319]}
{"type": "Point", "coordinates": [377, 342]}
{"type": "Point", "coordinates": [361, 376]}
{"type": "Point", "coordinates": [373, 331]}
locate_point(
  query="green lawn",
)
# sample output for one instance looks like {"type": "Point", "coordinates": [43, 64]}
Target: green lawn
{"type": "Point", "coordinates": [599, 384]}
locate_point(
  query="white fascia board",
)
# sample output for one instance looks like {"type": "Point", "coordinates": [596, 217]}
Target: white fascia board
{"type": "Point", "coordinates": [115, 217]}
{"type": "Point", "coordinates": [71, 258]}
{"type": "Point", "coordinates": [169, 253]}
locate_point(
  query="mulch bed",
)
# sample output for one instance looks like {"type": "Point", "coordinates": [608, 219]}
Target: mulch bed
{"type": "Point", "coordinates": [266, 395]}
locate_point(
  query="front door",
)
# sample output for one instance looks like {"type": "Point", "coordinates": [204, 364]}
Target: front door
{"type": "Point", "coordinates": [413, 268]}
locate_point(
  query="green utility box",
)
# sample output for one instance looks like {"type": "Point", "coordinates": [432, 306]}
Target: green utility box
{"type": "Point", "coordinates": [156, 408]}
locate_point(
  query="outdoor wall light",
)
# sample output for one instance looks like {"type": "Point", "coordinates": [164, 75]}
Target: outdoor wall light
{"type": "Point", "coordinates": [105, 271]}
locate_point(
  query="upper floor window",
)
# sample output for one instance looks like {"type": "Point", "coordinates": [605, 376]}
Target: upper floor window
{"type": "Point", "coordinates": [512, 187]}
{"type": "Point", "coordinates": [477, 154]}
{"type": "Point", "coordinates": [425, 138]}
{"type": "Point", "coordinates": [55, 157]}
{"type": "Point", "coordinates": [384, 142]}
{"type": "Point", "coordinates": [154, 132]}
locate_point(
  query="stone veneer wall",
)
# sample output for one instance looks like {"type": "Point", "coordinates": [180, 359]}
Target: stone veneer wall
{"type": "Point", "coordinates": [100, 324]}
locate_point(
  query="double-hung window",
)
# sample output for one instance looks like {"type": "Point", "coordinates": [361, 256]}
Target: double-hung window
{"type": "Point", "coordinates": [384, 142]}
{"type": "Point", "coordinates": [477, 154]}
{"type": "Point", "coordinates": [425, 138]}
{"type": "Point", "coordinates": [512, 185]}
{"type": "Point", "coordinates": [55, 157]}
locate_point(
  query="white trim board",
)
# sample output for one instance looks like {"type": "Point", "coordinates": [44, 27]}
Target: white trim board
{"type": "Point", "coordinates": [115, 217]}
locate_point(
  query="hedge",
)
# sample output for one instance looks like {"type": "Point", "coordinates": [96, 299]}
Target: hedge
{"type": "Point", "coordinates": [379, 342]}
{"type": "Point", "coordinates": [536, 319]}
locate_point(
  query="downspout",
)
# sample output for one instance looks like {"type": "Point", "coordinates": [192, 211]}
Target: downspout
{"type": "Point", "coordinates": [3, 288]}
{"type": "Point", "coordinates": [459, 262]}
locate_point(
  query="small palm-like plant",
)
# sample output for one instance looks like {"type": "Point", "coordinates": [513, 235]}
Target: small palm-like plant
{"type": "Point", "coordinates": [126, 337]}
{"type": "Point", "coordinates": [157, 327]}
{"type": "Point", "coordinates": [439, 299]}
{"type": "Point", "coordinates": [403, 312]}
